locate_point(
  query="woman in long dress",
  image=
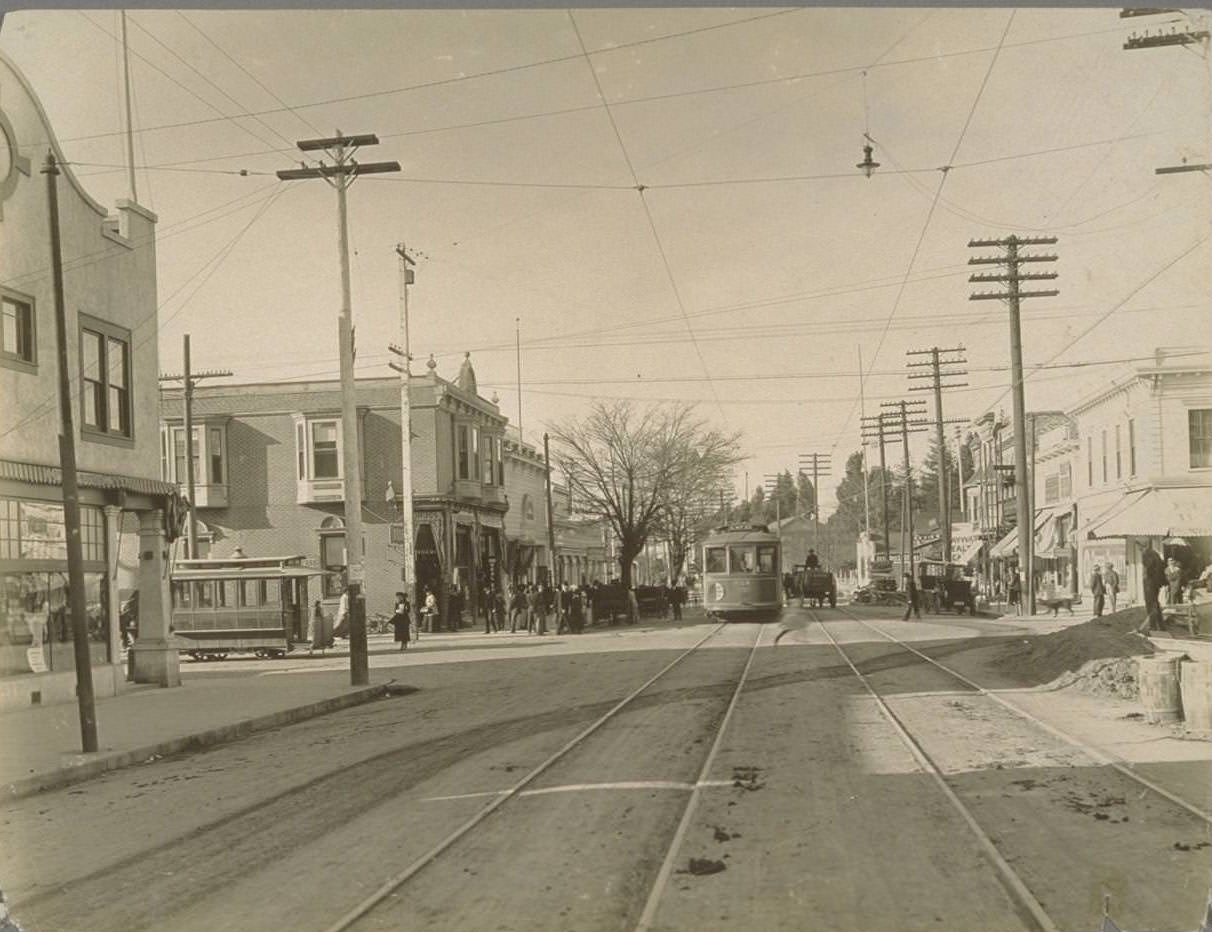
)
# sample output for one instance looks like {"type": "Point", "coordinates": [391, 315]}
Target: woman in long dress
{"type": "Point", "coordinates": [401, 619]}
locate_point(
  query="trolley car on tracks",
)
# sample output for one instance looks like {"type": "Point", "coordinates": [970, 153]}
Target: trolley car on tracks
{"type": "Point", "coordinates": [256, 604]}
{"type": "Point", "coordinates": [742, 579]}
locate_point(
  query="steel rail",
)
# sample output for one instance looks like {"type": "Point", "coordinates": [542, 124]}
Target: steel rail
{"type": "Point", "coordinates": [666, 871]}
{"type": "Point", "coordinates": [1013, 883]}
{"type": "Point", "coordinates": [1098, 754]}
{"type": "Point", "coordinates": [397, 880]}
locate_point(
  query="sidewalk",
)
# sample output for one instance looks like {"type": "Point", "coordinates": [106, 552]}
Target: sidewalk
{"type": "Point", "coordinates": [41, 746]}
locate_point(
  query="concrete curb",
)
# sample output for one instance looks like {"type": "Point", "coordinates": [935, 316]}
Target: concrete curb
{"type": "Point", "coordinates": [90, 769]}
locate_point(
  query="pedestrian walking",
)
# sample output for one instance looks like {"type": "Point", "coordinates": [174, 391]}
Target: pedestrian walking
{"type": "Point", "coordinates": [1153, 572]}
{"type": "Point", "coordinates": [489, 600]}
{"type": "Point", "coordinates": [517, 608]}
{"type": "Point", "coordinates": [321, 637]}
{"type": "Point", "coordinates": [1098, 591]}
{"type": "Point", "coordinates": [912, 602]}
{"type": "Point", "coordinates": [532, 607]}
{"type": "Point", "coordinates": [1111, 584]}
{"type": "Point", "coordinates": [1014, 595]}
{"type": "Point", "coordinates": [563, 608]}
{"type": "Point", "coordinates": [401, 620]}
{"type": "Point", "coordinates": [679, 599]}
{"type": "Point", "coordinates": [341, 629]}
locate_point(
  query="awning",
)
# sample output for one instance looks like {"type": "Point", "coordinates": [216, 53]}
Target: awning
{"type": "Point", "coordinates": [1008, 545]}
{"type": "Point", "coordinates": [1158, 513]}
{"type": "Point", "coordinates": [249, 572]}
{"type": "Point", "coordinates": [971, 551]}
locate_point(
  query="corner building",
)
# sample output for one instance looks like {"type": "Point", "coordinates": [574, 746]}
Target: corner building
{"type": "Point", "coordinates": [109, 262]}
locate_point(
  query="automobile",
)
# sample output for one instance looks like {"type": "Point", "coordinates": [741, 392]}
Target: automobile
{"type": "Point", "coordinates": [946, 587]}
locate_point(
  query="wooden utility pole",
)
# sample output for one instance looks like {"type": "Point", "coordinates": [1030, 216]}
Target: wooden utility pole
{"type": "Point", "coordinates": [189, 378]}
{"type": "Point", "coordinates": [340, 176]}
{"type": "Point", "coordinates": [821, 466]}
{"type": "Point", "coordinates": [936, 375]}
{"type": "Point", "coordinates": [71, 489]}
{"type": "Point", "coordinates": [409, 572]}
{"type": "Point", "coordinates": [904, 418]}
{"type": "Point", "coordinates": [879, 427]}
{"type": "Point", "coordinates": [1011, 277]}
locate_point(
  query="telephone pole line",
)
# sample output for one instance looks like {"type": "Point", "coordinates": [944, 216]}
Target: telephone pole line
{"type": "Point", "coordinates": [878, 427]}
{"type": "Point", "coordinates": [1012, 277]}
{"type": "Point", "coordinates": [340, 175]}
{"type": "Point", "coordinates": [898, 418]}
{"type": "Point", "coordinates": [190, 378]}
{"type": "Point", "coordinates": [821, 465]}
{"type": "Point", "coordinates": [938, 359]}
{"type": "Point", "coordinates": [408, 576]}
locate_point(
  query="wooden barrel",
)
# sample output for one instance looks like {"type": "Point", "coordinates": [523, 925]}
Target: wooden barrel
{"type": "Point", "coordinates": [1195, 685]}
{"type": "Point", "coordinates": [1159, 688]}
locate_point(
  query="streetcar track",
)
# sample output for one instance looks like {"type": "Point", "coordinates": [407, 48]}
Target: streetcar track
{"type": "Point", "coordinates": [1014, 884]}
{"type": "Point", "coordinates": [1096, 753]}
{"type": "Point", "coordinates": [368, 904]}
{"type": "Point", "coordinates": [666, 871]}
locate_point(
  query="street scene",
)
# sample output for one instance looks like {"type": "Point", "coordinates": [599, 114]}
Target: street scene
{"type": "Point", "coordinates": [606, 469]}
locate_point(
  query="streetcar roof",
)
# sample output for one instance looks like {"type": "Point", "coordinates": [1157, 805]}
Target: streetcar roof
{"type": "Point", "coordinates": [740, 535]}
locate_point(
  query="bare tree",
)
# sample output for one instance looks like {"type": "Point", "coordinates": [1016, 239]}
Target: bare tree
{"type": "Point", "coordinates": [630, 465]}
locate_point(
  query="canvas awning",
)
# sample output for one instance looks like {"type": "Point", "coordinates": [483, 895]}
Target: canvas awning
{"type": "Point", "coordinates": [1183, 512]}
{"type": "Point", "coordinates": [971, 551]}
{"type": "Point", "coordinates": [1008, 545]}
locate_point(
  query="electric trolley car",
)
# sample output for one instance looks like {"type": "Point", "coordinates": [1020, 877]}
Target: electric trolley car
{"type": "Point", "coordinates": [742, 578]}
{"type": "Point", "coordinates": [256, 604]}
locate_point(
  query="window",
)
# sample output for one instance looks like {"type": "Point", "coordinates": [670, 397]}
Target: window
{"type": "Point", "coordinates": [1199, 426]}
{"type": "Point", "coordinates": [500, 462]}
{"type": "Point", "coordinates": [1104, 449]}
{"type": "Point", "coordinates": [489, 470]}
{"type": "Point", "coordinates": [463, 441]}
{"type": "Point", "coordinates": [204, 594]}
{"type": "Point", "coordinates": [32, 530]}
{"type": "Point", "coordinates": [301, 448]}
{"type": "Point", "coordinates": [333, 562]}
{"type": "Point", "coordinates": [1090, 462]}
{"type": "Point", "coordinates": [765, 558]}
{"type": "Point", "coordinates": [475, 454]}
{"type": "Point", "coordinates": [180, 467]}
{"type": "Point", "coordinates": [17, 329]}
{"type": "Point", "coordinates": [216, 455]}
{"type": "Point", "coordinates": [1066, 480]}
{"type": "Point", "coordinates": [1131, 447]}
{"type": "Point", "coordinates": [1119, 459]}
{"type": "Point", "coordinates": [105, 380]}
{"type": "Point", "coordinates": [325, 450]}
{"type": "Point", "coordinates": [713, 561]}
{"type": "Point", "coordinates": [740, 560]}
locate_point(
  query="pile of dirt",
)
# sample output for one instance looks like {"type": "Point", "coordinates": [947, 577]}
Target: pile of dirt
{"type": "Point", "coordinates": [1097, 657]}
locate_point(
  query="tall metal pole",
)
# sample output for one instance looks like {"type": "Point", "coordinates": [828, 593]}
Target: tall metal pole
{"type": "Point", "coordinates": [130, 130]}
{"type": "Point", "coordinates": [190, 478]}
{"type": "Point", "coordinates": [71, 491]}
{"type": "Point", "coordinates": [550, 511]}
{"type": "Point", "coordinates": [410, 577]}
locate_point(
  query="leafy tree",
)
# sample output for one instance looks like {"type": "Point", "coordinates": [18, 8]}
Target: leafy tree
{"type": "Point", "coordinates": [632, 465]}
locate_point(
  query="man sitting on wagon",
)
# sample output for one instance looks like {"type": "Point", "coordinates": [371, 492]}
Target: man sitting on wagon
{"type": "Point", "coordinates": [812, 561]}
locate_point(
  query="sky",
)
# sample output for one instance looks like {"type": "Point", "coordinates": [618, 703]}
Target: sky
{"type": "Point", "coordinates": [661, 204]}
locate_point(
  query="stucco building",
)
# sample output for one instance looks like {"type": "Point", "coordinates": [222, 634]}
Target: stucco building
{"type": "Point", "coordinates": [110, 300]}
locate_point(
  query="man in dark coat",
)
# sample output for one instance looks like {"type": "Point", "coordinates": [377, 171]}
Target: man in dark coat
{"type": "Point", "coordinates": [912, 606]}
{"type": "Point", "coordinates": [1154, 576]}
{"type": "Point", "coordinates": [1097, 591]}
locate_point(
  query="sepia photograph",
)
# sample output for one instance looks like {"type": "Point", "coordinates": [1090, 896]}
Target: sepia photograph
{"type": "Point", "coordinates": [619, 468]}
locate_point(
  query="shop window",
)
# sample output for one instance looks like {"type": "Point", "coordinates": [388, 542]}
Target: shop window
{"type": "Point", "coordinates": [17, 344]}
{"type": "Point", "coordinates": [1199, 428]}
{"type": "Point", "coordinates": [105, 379]}
{"type": "Point", "coordinates": [37, 620]}
{"type": "Point", "coordinates": [37, 531]}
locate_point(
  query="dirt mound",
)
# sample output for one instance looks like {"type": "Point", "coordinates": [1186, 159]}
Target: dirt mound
{"type": "Point", "coordinates": [1095, 656]}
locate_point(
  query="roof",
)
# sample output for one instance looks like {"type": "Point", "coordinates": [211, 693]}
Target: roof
{"type": "Point", "coordinates": [736, 535]}
{"type": "Point", "coordinates": [39, 474]}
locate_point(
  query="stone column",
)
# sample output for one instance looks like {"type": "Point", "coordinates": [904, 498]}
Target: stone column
{"type": "Point", "coordinates": [155, 653]}
{"type": "Point", "coordinates": [113, 538]}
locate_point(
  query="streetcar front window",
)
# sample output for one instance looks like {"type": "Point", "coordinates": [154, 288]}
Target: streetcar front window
{"type": "Point", "coordinates": [713, 561]}
{"type": "Point", "coordinates": [740, 560]}
{"type": "Point", "coordinates": [767, 554]}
